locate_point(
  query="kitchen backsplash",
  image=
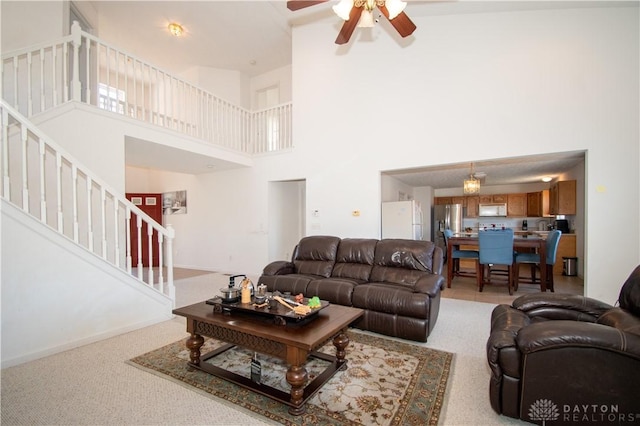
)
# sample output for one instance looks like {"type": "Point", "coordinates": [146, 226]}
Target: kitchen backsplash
{"type": "Point", "coordinates": [533, 223]}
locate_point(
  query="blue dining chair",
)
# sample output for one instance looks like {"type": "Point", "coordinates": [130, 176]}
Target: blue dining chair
{"type": "Point", "coordinates": [553, 239]}
{"type": "Point", "coordinates": [495, 248]}
{"type": "Point", "coordinates": [457, 254]}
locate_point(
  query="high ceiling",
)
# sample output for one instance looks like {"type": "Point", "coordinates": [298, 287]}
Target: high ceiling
{"type": "Point", "coordinates": [255, 36]}
{"type": "Point", "coordinates": [249, 36]}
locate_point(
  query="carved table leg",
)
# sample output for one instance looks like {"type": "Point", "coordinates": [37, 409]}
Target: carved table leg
{"type": "Point", "coordinates": [297, 378]}
{"type": "Point", "coordinates": [194, 343]}
{"type": "Point", "coordinates": [341, 341]}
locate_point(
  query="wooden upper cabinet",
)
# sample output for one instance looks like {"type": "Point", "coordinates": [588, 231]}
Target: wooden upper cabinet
{"type": "Point", "coordinates": [495, 198]}
{"type": "Point", "coordinates": [562, 197]}
{"type": "Point", "coordinates": [500, 198]}
{"type": "Point", "coordinates": [450, 200]}
{"type": "Point", "coordinates": [459, 200]}
{"type": "Point", "coordinates": [472, 205]}
{"type": "Point", "coordinates": [517, 205]}
{"type": "Point", "coordinates": [438, 201]}
{"type": "Point", "coordinates": [538, 203]}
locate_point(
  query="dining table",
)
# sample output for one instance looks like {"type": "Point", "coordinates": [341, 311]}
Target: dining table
{"type": "Point", "coordinates": [536, 242]}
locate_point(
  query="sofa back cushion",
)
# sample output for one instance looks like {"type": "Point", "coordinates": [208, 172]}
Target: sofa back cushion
{"type": "Point", "coordinates": [355, 258]}
{"type": "Point", "coordinates": [629, 298]}
{"type": "Point", "coordinates": [316, 255]}
{"type": "Point", "coordinates": [402, 261]}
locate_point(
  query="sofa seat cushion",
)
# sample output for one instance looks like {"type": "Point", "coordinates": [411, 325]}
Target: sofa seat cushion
{"type": "Point", "coordinates": [391, 299]}
{"type": "Point", "coordinates": [294, 283]}
{"type": "Point", "coordinates": [333, 290]}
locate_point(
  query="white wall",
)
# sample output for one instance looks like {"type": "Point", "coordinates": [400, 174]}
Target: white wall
{"type": "Point", "coordinates": [473, 87]}
{"type": "Point", "coordinates": [467, 88]}
{"type": "Point", "coordinates": [47, 16]}
{"type": "Point", "coordinates": [46, 310]}
{"type": "Point", "coordinates": [280, 77]}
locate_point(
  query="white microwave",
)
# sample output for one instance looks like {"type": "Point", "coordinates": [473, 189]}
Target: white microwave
{"type": "Point", "coordinates": [492, 210]}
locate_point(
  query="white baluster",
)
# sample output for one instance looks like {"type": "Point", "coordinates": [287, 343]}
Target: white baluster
{"type": "Point", "coordinates": [116, 233]}
{"type": "Point", "coordinates": [29, 86]}
{"type": "Point", "coordinates": [76, 34]}
{"type": "Point", "coordinates": [43, 196]}
{"type": "Point", "coordinates": [150, 247]}
{"type": "Point", "coordinates": [54, 85]}
{"type": "Point", "coordinates": [59, 193]}
{"type": "Point", "coordinates": [103, 219]}
{"type": "Point", "coordinates": [139, 240]}
{"type": "Point", "coordinates": [6, 180]}
{"type": "Point", "coordinates": [160, 275]}
{"type": "Point", "coordinates": [89, 215]}
{"type": "Point", "coordinates": [42, 104]}
{"type": "Point", "coordinates": [127, 232]}
{"type": "Point", "coordinates": [169, 251]}
{"type": "Point", "coordinates": [25, 174]}
{"type": "Point", "coordinates": [65, 71]}
{"type": "Point", "coordinates": [74, 189]}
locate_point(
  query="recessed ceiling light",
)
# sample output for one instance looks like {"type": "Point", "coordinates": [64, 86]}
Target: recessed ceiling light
{"type": "Point", "coordinates": [176, 29]}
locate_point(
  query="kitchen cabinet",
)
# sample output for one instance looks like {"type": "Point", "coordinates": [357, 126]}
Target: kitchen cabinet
{"type": "Point", "coordinates": [495, 198]}
{"type": "Point", "coordinates": [459, 200]}
{"type": "Point", "coordinates": [562, 197]}
{"type": "Point", "coordinates": [566, 248]}
{"type": "Point", "coordinates": [517, 205]}
{"type": "Point", "coordinates": [472, 205]}
{"type": "Point", "coordinates": [439, 201]}
{"type": "Point", "coordinates": [538, 204]}
{"type": "Point", "coordinates": [500, 198]}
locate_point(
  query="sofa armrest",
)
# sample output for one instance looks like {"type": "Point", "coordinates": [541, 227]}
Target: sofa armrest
{"type": "Point", "coordinates": [430, 284]}
{"type": "Point", "coordinates": [561, 334]}
{"type": "Point", "coordinates": [279, 267]}
{"type": "Point", "coordinates": [552, 306]}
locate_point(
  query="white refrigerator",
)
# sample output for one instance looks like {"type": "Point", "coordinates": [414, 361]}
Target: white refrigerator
{"type": "Point", "coordinates": [402, 219]}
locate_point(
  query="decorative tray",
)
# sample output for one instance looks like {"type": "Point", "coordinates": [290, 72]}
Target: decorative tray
{"type": "Point", "coordinates": [280, 313]}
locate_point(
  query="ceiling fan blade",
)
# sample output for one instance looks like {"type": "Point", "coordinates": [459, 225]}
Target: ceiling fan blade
{"type": "Point", "coordinates": [401, 23]}
{"type": "Point", "coordinates": [301, 4]}
{"type": "Point", "coordinates": [349, 26]}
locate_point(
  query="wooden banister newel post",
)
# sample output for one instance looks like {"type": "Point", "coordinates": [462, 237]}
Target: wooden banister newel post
{"type": "Point", "coordinates": [76, 87]}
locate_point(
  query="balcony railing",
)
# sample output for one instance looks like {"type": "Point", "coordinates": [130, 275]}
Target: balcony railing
{"type": "Point", "coordinates": [82, 68]}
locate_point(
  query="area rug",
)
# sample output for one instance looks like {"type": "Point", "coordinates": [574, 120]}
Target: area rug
{"type": "Point", "coordinates": [386, 382]}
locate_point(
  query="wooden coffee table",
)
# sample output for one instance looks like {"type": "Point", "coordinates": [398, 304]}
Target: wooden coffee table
{"type": "Point", "coordinates": [292, 342]}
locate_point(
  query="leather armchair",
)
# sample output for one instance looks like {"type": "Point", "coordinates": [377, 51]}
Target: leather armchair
{"type": "Point", "coordinates": [567, 358]}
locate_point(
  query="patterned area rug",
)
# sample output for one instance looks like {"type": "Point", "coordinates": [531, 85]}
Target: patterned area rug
{"type": "Point", "coordinates": [385, 383]}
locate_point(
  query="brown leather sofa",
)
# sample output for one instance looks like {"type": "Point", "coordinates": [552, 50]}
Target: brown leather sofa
{"type": "Point", "coordinates": [396, 282]}
{"type": "Point", "coordinates": [567, 359]}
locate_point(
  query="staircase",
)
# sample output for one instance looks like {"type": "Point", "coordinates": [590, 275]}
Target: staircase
{"type": "Point", "coordinates": [66, 234]}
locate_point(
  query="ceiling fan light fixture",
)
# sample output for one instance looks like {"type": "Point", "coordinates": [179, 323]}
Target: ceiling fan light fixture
{"type": "Point", "coordinates": [343, 9]}
{"type": "Point", "coordinates": [175, 29]}
{"type": "Point", "coordinates": [366, 19]}
{"type": "Point", "coordinates": [395, 7]}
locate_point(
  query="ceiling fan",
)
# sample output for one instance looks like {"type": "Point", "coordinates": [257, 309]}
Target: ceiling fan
{"type": "Point", "coordinates": [360, 13]}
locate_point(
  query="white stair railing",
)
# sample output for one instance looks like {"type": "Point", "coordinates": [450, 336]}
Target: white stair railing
{"type": "Point", "coordinates": [82, 68]}
{"type": "Point", "coordinates": [42, 179]}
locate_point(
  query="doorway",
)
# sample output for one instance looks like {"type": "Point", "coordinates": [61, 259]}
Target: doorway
{"type": "Point", "coordinates": [151, 204]}
{"type": "Point", "coordinates": [287, 224]}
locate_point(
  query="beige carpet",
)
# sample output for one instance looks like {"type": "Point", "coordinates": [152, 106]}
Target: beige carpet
{"type": "Point", "coordinates": [93, 384]}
